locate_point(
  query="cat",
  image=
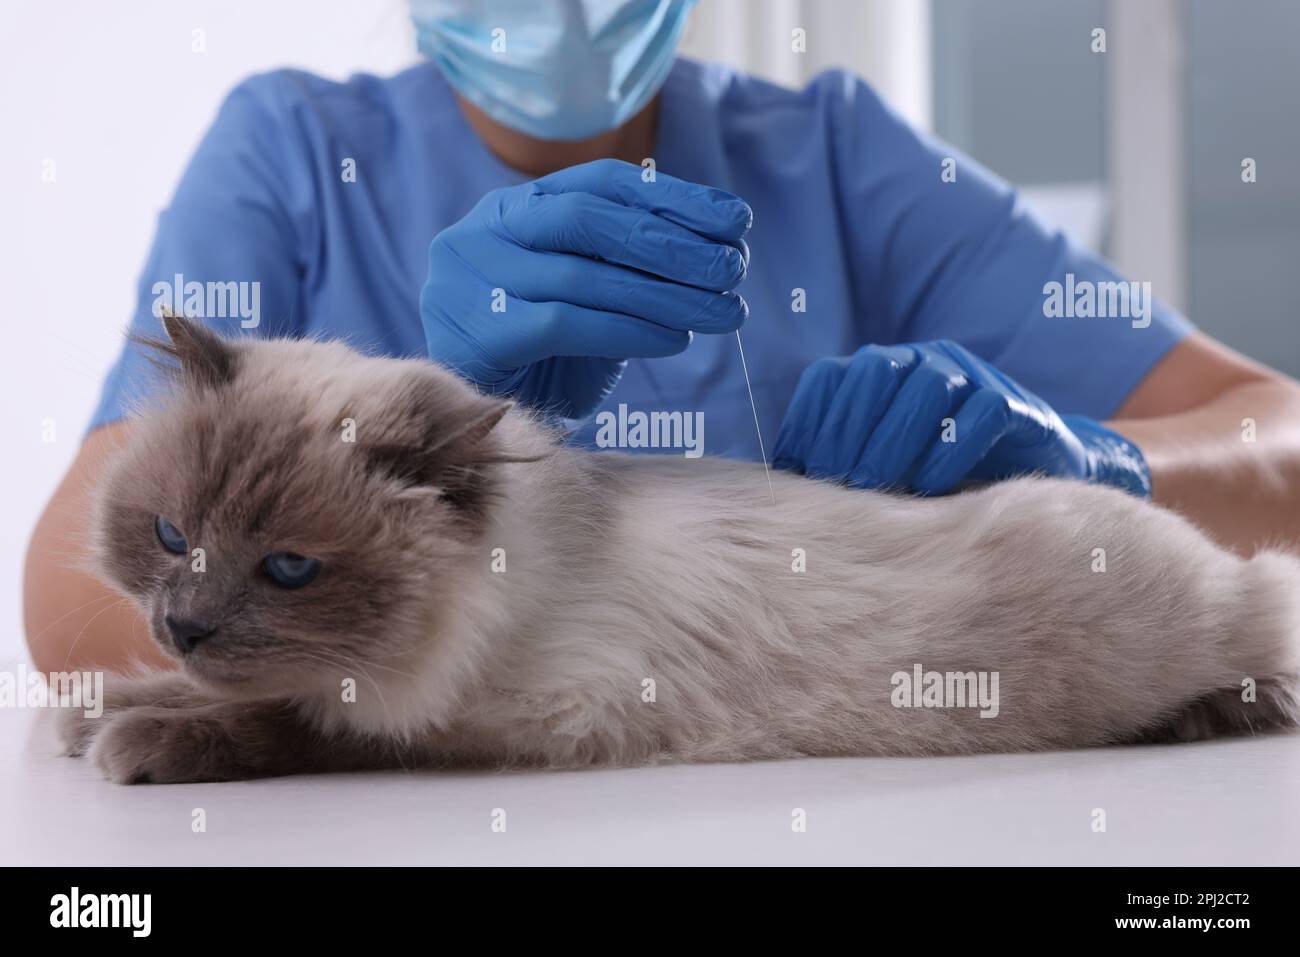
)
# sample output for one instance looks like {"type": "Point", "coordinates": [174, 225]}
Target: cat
{"type": "Point", "coordinates": [399, 572]}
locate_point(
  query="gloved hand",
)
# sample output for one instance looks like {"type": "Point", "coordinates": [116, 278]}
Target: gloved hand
{"type": "Point", "coordinates": [544, 290]}
{"type": "Point", "coordinates": [877, 419]}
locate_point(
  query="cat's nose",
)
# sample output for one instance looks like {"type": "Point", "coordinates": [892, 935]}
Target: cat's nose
{"type": "Point", "coordinates": [186, 634]}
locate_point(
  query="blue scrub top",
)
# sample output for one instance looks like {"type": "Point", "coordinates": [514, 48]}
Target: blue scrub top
{"type": "Point", "coordinates": [849, 207]}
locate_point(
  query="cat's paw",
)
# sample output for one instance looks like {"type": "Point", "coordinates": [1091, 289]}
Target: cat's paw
{"type": "Point", "coordinates": [75, 730]}
{"type": "Point", "coordinates": [163, 689]}
{"type": "Point", "coordinates": [158, 745]}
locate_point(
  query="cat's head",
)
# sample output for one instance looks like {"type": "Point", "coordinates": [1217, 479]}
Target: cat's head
{"type": "Point", "coordinates": [295, 510]}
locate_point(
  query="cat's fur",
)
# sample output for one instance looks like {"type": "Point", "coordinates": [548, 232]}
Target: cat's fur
{"type": "Point", "coordinates": [621, 571]}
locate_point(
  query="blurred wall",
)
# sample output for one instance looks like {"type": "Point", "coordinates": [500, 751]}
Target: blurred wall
{"type": "Point", "coordinates": [1243, 100]}
{"type": "Point", "coordinates": [1017, 86]}
{"type": "Point", "coordinates": [885, 41]}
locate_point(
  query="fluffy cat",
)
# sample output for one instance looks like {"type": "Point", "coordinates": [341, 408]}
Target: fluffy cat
{"type": "Point", "coordinates": [484, 596]}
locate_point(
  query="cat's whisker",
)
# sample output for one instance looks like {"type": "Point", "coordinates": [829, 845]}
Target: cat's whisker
{"type": "Point", "coordinates": [383, 701]}
{"type": "Point", "coordinates": [374, 663]}
{"type": "Point", "coordinates": [37, 637]}
{"type": "Point", "coordinates": [117, 604]}
{"type": "Point", "coordinates": [344, 662]}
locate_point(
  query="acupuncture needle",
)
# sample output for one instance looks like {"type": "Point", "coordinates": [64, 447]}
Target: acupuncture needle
{"type": "Point", "coordinates": [744, 366]}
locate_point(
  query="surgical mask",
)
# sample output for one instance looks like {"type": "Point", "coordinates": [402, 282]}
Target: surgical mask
{"type": "Point", "coordinates": [553, 69]}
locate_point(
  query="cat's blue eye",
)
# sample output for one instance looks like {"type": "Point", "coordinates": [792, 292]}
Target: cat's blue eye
{"type": "Point", "coordinates": [290, 570]}
{"type": "Point", "coordinates": [170, 536]}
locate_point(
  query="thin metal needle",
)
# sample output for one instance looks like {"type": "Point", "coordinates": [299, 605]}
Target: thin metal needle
{"type": "Point", "coordinates": [762, 451]}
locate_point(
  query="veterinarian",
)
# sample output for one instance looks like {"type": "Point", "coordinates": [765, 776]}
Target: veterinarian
{"type": "Point", "coordinates": [907, 323]}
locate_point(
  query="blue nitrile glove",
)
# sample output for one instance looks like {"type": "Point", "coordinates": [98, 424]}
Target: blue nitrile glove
{"type": "Point", "coordinates": [879, 418]}
{"type": "Point", "coordinates": [544, 290]}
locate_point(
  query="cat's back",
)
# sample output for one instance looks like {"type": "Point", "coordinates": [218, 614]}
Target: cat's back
{"type": "Point", "coordinates": [719, 522]}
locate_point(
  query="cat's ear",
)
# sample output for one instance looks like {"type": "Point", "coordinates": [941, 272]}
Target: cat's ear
{"type": "Point", "coordinates": [437, 432]}
{"type": "Point", "coordinates": [205, 358]}
{"type": "Point", "coordinates": [463, 441]}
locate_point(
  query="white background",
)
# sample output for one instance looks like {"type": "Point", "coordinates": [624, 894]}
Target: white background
{"type": "Point", "coordinates": [113, 93]}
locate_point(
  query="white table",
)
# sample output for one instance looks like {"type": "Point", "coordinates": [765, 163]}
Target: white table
{"type": "Point", "coordinates": [1223, 802]}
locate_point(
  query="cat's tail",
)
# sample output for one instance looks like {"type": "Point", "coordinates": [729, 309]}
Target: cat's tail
{"type": "Point", "coordinates": [1262, 652]}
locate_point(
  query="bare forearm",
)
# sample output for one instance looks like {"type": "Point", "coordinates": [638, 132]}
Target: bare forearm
{"type": "Point", "coordinates": [74, 621]}
{"type": "Point", "coordinates": [1232, 465]}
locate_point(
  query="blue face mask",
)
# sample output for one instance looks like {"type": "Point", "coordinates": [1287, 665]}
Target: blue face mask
{"type": "Point", "coordinates": [554, 69]}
